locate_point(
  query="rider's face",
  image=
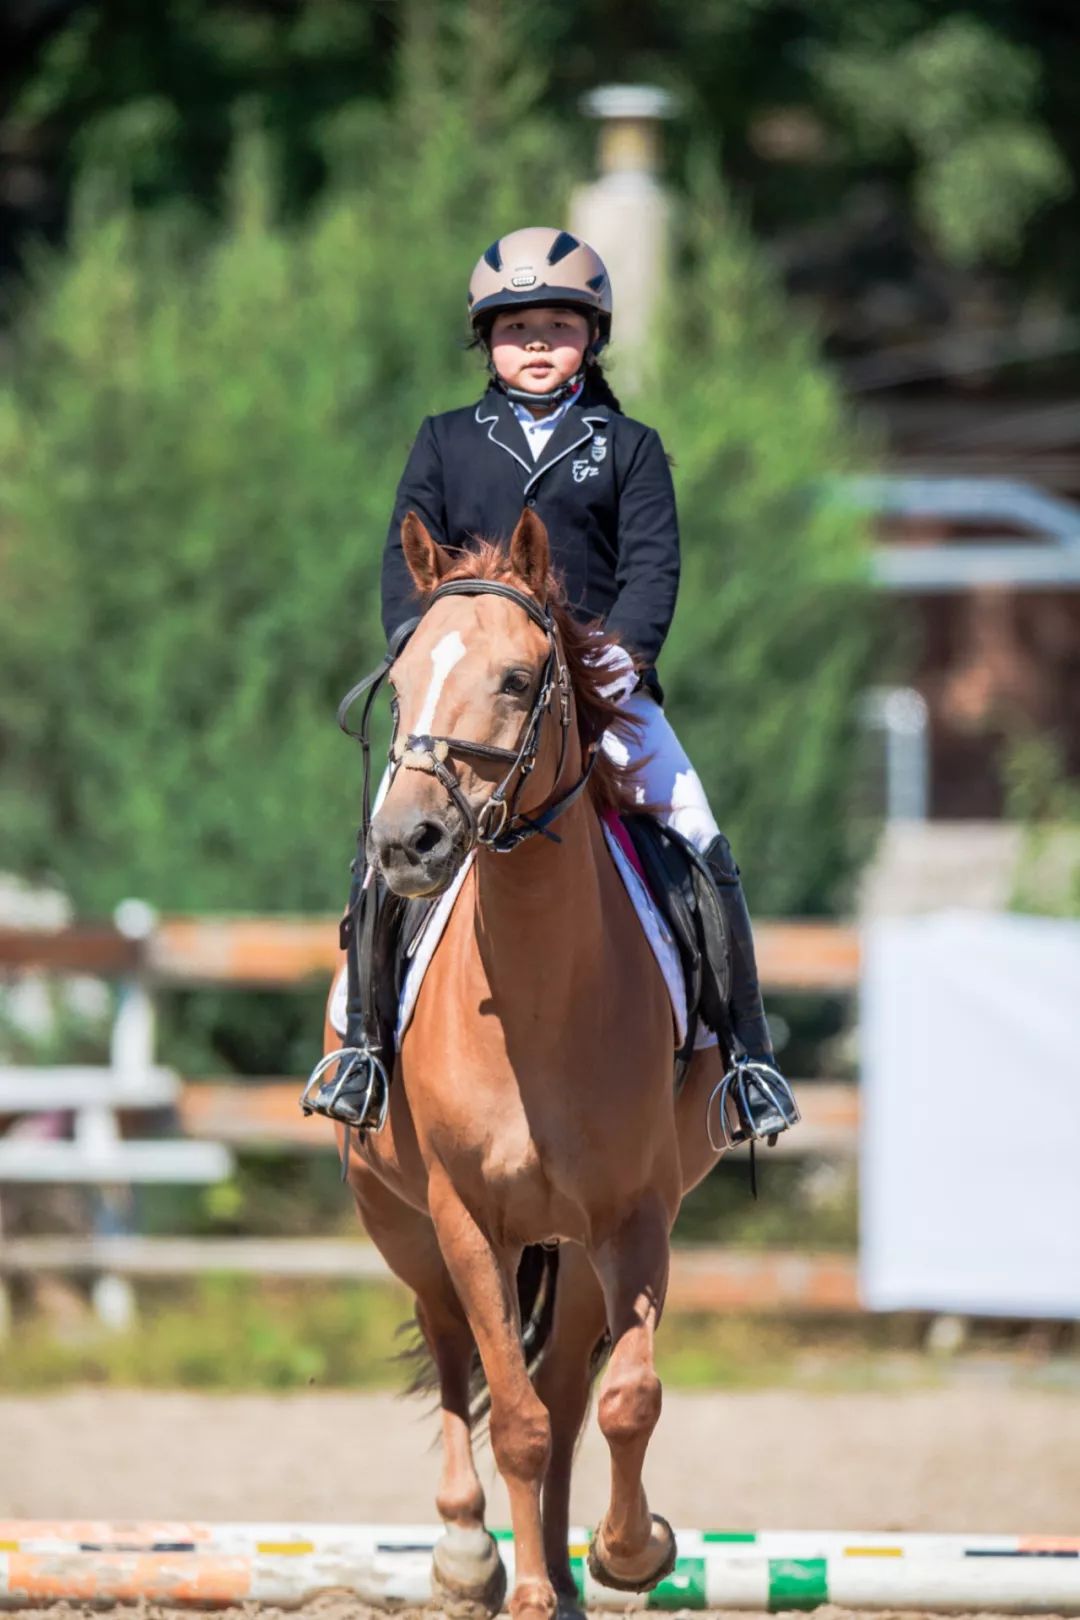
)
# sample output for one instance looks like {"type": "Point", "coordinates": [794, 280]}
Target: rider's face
{"type": "Point", "coordinates": [538, 349]}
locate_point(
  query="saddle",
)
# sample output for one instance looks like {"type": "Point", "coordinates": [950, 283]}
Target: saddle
{"type": "Point", "coordinates": [375, 934]}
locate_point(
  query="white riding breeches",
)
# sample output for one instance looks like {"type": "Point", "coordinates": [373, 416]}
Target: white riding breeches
{"type": "Point", "coordinates": [665, 777]}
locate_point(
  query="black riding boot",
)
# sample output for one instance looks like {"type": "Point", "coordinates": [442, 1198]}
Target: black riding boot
{"type": "Point", "coordinates": [762, 1098]}
{"type": "Point", "coordinates": [352, 1084]}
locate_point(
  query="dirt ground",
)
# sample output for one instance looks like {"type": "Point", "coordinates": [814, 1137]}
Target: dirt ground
{"type": "Point", "coordinates": [994, 1459]}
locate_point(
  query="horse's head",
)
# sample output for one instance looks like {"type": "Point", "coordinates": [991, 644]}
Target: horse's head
{"type": "Point", "coordinates": [484, 718]}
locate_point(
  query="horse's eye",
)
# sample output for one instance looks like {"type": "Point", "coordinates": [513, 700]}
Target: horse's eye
{"type": "Point", "coordinates": [517, 682]}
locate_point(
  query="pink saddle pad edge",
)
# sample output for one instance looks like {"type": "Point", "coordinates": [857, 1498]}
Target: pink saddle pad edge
{"type": "Point", "coordinates": [615, 825]}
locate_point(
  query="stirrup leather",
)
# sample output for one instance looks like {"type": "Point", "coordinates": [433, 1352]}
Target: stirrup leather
{"type": "Point", "coordinates": [762, 1102]}
{"type": "Point", "coordinates": [359, 1094]}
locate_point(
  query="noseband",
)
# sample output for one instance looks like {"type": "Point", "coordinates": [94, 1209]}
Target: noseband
{"type": "Point", "coordinates": [499, 825]}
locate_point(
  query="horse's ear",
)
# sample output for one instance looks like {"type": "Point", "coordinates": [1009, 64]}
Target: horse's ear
{"type": "Point", "coordinates": [530, 554]}
{"type": "Point", "coordinates": [426, 559]}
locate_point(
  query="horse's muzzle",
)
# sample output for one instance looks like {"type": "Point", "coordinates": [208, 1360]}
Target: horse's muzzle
{"type": "Point", "coordinates": [417, 855]}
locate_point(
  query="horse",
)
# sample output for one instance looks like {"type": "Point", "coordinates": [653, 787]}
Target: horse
{"type": "Point", "coordinates": [535, 1152]}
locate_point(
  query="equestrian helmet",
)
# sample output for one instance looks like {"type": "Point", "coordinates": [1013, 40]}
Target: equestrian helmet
{"type": "Point", "coordinates": [538, 266]}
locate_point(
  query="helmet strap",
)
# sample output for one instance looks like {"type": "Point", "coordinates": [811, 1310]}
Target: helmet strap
{"type": "Point", "coordinates": [521, 396]}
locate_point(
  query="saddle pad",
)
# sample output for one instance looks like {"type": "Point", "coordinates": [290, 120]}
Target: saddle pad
{"type": "Point", "coordinates": [424, 946]}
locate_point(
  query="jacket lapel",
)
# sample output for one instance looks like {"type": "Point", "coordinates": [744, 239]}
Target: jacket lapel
{"type": "Point", "coordinates": [576, 428]}
{"type": "Point", "coordinates": [495, 415]}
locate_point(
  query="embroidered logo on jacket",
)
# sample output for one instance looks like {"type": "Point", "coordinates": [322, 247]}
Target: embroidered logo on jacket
{"type": "Point", "coordinates": [583, 470]}
{"type": "Point", "coordinates": [599, 447]}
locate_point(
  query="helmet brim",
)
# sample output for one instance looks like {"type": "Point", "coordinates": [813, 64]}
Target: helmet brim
{"type": "Point", "coordinates": [483, 313]}
{"type": "Point", "coordinates": [536, 298]}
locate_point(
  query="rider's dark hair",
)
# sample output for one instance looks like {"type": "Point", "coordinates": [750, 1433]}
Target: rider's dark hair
{"type": "Point", "coordinates": [598, 391]}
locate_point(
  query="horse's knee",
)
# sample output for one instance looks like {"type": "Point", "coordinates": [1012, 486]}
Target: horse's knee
{"type": "Point", "coordinates": [521, 1441]}
{"type": "Point", "coordinates": [629, 1404]}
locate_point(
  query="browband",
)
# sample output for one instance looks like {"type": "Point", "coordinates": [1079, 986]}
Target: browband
{"type": "Point", "coordinates": [494, 587]}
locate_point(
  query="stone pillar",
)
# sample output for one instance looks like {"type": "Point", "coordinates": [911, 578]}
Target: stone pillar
{"type": "Point", "coordinates": [625, 213]}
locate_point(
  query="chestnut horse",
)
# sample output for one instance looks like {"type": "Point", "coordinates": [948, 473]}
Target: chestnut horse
{"type": "Point", "coordinates": [533, 1098]}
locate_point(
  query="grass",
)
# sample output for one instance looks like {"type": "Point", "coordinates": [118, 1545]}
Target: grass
{"type": "Point", "coordinates": [803, 1204]}
{"type": "Point", "coordinates": [223, 1334]}
{"type": "Point", "coordinates": [234, 1334]}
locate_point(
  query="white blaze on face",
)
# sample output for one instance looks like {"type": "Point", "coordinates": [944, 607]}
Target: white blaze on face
{"type": "Point", "coordinates": [444, 655]}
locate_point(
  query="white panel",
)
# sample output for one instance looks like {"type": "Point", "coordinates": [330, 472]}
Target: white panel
{"type": "Point", "coordinates": [970, 1160]}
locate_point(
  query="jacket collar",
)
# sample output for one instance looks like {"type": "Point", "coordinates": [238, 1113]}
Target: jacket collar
{"type": "Point", "coordinates": [496, 413]}
{"type": "Point", "coordinates": [576, 428]}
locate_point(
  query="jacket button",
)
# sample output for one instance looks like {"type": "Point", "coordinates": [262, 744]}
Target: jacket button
{"type": "Point", "coordinates": [531, 501]}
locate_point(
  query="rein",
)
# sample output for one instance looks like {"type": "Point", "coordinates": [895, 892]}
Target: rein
{"type": "Point", "coordinates": [499, 826]}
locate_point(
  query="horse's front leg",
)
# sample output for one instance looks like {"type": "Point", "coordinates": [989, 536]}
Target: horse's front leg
{"type": "Point", "coordinates": [468, 1574]}
{"type": "Point", "coordinates": [485, 1279]}
{"type": "Point", "coordinates": [633, 1549]}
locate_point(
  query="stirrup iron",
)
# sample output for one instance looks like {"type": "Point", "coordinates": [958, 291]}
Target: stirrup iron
{"type": "Point", "coordinates": [360, 1094]}
{"type": "Point", "coordinates": [761, 1100]}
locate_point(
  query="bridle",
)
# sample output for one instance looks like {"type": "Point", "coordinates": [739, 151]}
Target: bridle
{"type": "Point", "coordinates": [499, 825]}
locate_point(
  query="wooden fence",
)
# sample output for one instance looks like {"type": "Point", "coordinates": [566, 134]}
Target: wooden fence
{"type": "Point", "coordinates": [285, 952]}
{"type": "Point", "coordinates": [224, 1114]}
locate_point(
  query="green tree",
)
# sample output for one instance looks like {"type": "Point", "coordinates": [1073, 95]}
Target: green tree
{"type": "Point", "coordinates": [1045, 804]}
{"type": "Point", "coordinates": [199, 441]}
{"type": "Point", "coordinates": [961, 99]}
{"type": "Point", "coordinates": [959, 119]}
{"type": "Point", "coordinates": [774, 636]}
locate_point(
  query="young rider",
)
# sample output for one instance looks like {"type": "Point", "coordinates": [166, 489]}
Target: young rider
{"type": "Point", "coordinates": [550, 434]}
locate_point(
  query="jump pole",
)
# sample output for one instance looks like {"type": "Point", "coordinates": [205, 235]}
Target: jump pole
{"type": "Point", "coordinates": [295, 1537]}
{"type": "Point", "coordinates": [198, 1565]}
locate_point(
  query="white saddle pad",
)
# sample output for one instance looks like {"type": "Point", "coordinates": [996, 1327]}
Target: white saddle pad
{"type": "Point", "coordinates": [423, 949]}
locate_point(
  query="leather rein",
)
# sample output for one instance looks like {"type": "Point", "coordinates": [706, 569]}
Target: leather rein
{"type": "Point", "coordinates": [499, 825]}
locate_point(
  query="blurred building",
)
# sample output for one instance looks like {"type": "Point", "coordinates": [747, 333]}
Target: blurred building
{"type": "Point", "coordinates": [988, 570]}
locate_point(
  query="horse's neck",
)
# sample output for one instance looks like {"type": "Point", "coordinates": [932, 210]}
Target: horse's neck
{"type": "Point", "coordinates": [543, 902]}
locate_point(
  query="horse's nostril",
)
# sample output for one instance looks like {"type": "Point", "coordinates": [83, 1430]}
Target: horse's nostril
{"type": "Point", "coordinates": [427, 837]}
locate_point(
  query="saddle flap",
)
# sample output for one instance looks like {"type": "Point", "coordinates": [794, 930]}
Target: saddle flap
{"type": "Point", "coordinates": [684, 891]}
{"type": "Point", "coordinates": [377, 934]}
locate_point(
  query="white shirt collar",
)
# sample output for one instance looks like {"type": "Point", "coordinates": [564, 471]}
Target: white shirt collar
{"type": "Point", "coordinates": [538, 429]}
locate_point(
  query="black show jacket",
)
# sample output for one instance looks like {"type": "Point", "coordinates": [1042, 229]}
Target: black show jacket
{"type": "Point", "coordinates": [602, 486]}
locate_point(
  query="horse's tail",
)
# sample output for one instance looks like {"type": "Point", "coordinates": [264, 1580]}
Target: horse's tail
{"type": "Point", "coordinates": [538, 1271]}
{"type": "Point", "coordinates": [537, 1278]}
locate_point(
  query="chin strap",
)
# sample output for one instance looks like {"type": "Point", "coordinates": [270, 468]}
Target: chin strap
{"type": "Point", "coordinates": [521, 396]}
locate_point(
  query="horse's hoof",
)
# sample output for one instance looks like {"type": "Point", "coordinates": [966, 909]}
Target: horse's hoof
{"type": "Point", "coordinates": [641, 1573]}
{"type": "Point", "coordinates": [534, 1600]}
{"type": "Point", "coordinates": [468, 1578]}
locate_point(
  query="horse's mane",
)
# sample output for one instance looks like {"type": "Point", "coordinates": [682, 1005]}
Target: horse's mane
{"type": "Point", "coordinates": [611, 784]}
